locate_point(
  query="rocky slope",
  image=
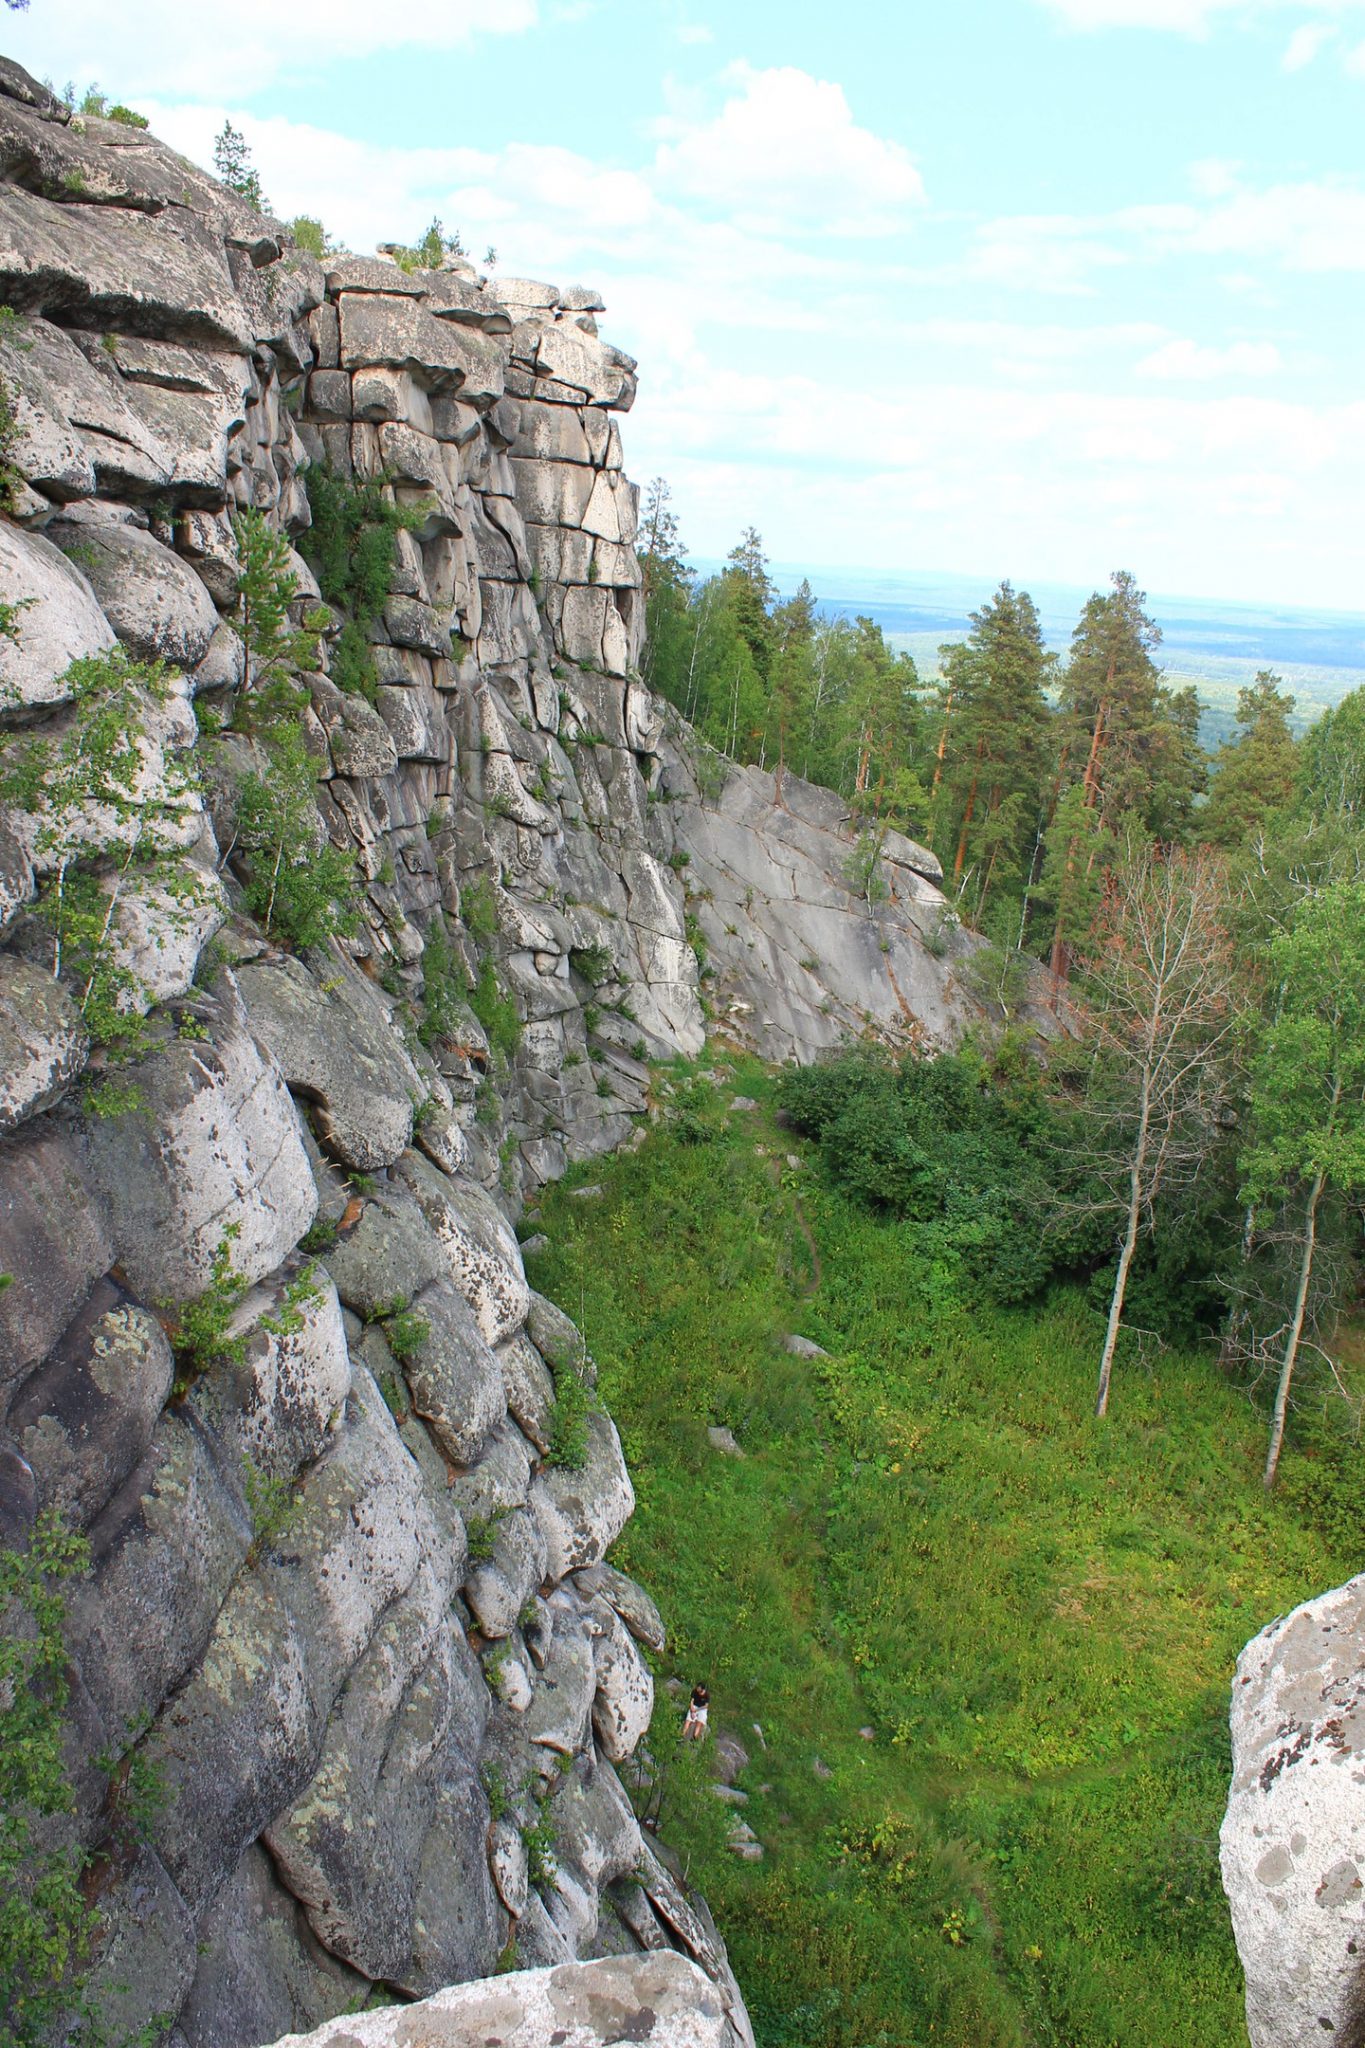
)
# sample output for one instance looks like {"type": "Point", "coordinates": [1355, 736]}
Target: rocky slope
{"type": "Point", "coordinates": [346, 1604]}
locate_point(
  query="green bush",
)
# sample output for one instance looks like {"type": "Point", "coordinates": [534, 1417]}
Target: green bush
{"type": "Point", "coordinates": [495, 1010]}
{"type": "Point", "coordinates": [351, 549]}
{"type": "Point", "coordinates": [46, 1922]}
{"type": "Point", "coordinates": [301, 887]}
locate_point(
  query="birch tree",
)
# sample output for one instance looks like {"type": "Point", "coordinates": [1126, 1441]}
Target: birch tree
{"type": "Point", "coordinates": [1157, 1006]}
{"type": "Point", "coordinates": [1307, 1119]}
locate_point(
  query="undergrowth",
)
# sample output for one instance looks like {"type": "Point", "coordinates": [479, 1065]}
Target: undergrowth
{"type": "Point", "coordinates": [1034, 1618]}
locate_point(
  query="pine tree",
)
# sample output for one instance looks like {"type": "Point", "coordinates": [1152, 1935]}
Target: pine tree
{"type": "Point", "coordinates": [996, 744]}
{"type": "Point", "coordinates": [1254, 775]}
{"type": "Point", "coordinates": [232, 161]}
{"type": "Point", "coordinates": [1131, 743]}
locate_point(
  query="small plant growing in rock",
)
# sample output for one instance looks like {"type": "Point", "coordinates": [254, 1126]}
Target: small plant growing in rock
{"type": "Point", "coordinates": [310, 236]}
{"type": "Point", "coordinates": [495, 1785]}
{"type": "Point", "coordinates": [302, 888]}
{"type": "Point", "coordinates": [201, 1333]}
{"type": "Point", "coordinates": [430, 252]}
{"type": "Point", "coordinates": [272, 1504]}
{"type": "Point", "coordinates": [481, 1534]}
{"type": "Point", "coordinates": [320, 1236]}
{"type": "Point", "coordinates": [538, 1840]}
{"type": "Point", "coordinates": [287, 1320]}
{"type": "Point", "coordinates": [569, 1420]}
{"type": "Point", "coordinates": [496, 1011]}
{"type": "Point", "coordinates": [275, 649]}
{"type": "Point", "coordinates": [405, 1331]}
{"type": "Point", "coordinates": [593, 962]}
{"type": "Point", "coordinates": [109, 796]}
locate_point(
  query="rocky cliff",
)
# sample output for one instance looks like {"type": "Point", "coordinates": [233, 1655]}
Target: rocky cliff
{"type": "Point", "coordinates": [267, 1338]}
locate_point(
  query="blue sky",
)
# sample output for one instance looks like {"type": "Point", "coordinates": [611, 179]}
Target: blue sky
{"type": "Point", "coordinates": [1033, 288]}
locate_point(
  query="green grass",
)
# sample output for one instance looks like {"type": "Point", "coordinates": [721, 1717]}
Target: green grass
{"type": "Point", "coordinates": [930, 1536]}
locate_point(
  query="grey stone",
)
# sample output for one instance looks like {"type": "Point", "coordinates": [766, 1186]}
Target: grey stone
{"type": "Point", "coordinates": [350, 1848]}
{"type": "Point", "coordinates": [530, 1389]}
{"type": "Point", "coordinates": [803, 1347]}
{"type": "Point", "coordinates": [389, 1253]}
{"type": "Point", "coordinates": [281, 1401]}
{"type": "Point", "coordinates": [1293, 1838]}
{"type": "Point", "coordinates": [456, 1381]}
{"type": "Point", "coordinates": [261, 1968]}
{"type": "Point", "coordinates": [624, 1700]}
{"type": "Point", "coordinates": [479, 1243]}
{"type": "Point", "coordinates": [54, 1243]}
{"type": "Point", "coordinates": [581, 1512]}
{"type": "Point", "coordinates": [84, 1420]}
{"type": "Point", "coordinates": [357, 736]}
{"type": "Point", "coordinates": [334, 1044]}
{"type": "Point", "coordinates": [58, 621]}
{"type": "Point", "coordinates": [43, 1043]}
{"type": "Point", "coordinates": [630, 1601]}
{"type": "Point", "coordinates": [498, 1587]}
{"type": "Point", "coordinates": [241, 1739]}
{"type": "Point", "coordinates": [157, 606]}
{"type": "Point", "coordinates": [723, 1440]}
{"type": "Point", "coordinates": [215, 1144]}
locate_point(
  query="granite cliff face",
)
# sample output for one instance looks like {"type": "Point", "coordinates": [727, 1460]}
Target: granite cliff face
{"type": "Point", "coordinates": [342, 1600]}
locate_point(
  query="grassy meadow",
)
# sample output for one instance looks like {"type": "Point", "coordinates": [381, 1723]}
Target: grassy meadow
{"type": "Point", "coordinates": [931, 1542]}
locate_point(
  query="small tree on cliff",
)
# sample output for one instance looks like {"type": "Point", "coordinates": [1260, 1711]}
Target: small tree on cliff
{"type": "Point", "coordinates": [232, 161]}
{"type": "Point", "coordinates": [1158, 1007]}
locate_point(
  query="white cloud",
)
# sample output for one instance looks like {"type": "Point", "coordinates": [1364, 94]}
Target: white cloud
{"type": "Point", "coordinates": [1188, 362]}
{"type": "Point", "coordinates": [1304, 45]}
{"type": "Point", "coordinates": [785, 155]}
{"type": "Point", "coordinates": [695, 32]}
{"type": "Point", "coordinates": [164, 46]}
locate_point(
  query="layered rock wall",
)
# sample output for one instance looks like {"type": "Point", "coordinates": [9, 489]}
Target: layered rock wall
{"type": "Point", "coordinates": [343, 1605]}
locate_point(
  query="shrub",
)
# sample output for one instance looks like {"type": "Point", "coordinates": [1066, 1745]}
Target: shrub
{"type": "Point", "coordinates": [310, 236]}
{"type": "Point", "coordinates": [302, 888]}
{"type": "Point", "coordinates": [495, 1010]}
{"type": "Point", "coordinates": [201, 1333]}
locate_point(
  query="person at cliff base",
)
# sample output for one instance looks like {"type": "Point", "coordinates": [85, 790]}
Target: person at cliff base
{"type": "Point", "coordinates": [698, 1708]}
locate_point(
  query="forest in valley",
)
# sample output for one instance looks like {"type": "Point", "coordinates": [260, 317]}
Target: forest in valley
{"type": "Point", "coordinates": [1195, 921]}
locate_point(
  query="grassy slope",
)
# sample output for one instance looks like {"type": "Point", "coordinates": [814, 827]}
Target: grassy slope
{"type": "Point", "coordinates": [929, 1536]}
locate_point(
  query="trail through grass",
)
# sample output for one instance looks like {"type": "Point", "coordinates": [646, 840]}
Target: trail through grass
{"type": "Point", "coordinates": [929, 1538]}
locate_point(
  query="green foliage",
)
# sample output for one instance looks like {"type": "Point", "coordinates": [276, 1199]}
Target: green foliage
{"type": "Point", "coordinates": [495, 1010]}
{"type": "Point", "coordinates": [311, 237]}
{"type": "Point", "coordinates": [569, 1420]}
{"type": "Point", "coordinates": [444, 988]}
{"type": "Point", "coordinates": [930, 1538]}
{"type": "Point", "coordinates": [232, 161]}
{"type": "Point", "coordinates": [272, 1503]}
{"type": "Point", "coordinates": [481, 1532]}
{"type": "Point", "coordinates": [539, 1841]}
{"type": "Point", "coordinates": [128, 117]}
{"type": "Point", "coordinates": [302, 888]}
{"type": "Point", "coordinates": [275, 650]}
{"type": "Point", "coordinates": [405, 1330]}
{"type": "Point", "coordinates": [351, 549]}
{"type": "Point", "coordinates": [430, 252]}
{"type": "Point", "coordinates": [201, 1333]}
{"type": "Point", "coordinates": [478, 908]}
{"type": "Point", "coordinates": [288, 1318]}
{"type": "Point", "coordinates": [1255, 773]}
{"type": "Point", "coordinates": [320, 1236]}
{"type": "Point", "coordinates": [46, 1923]}
{"type": "Point", "coordinates": [106, 758]}
{"type": "Point", "coordinates": [594, 963]}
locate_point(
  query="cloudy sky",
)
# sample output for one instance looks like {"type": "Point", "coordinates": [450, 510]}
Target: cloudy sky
{"type": "Point", "coordinates": [1006, 287]}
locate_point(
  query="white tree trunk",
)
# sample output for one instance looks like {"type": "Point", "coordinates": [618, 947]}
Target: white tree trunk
{"type": "Point", "coordinates": [1130, 1237]}
{"type": "Point", "coordinates": [1295, 1337]}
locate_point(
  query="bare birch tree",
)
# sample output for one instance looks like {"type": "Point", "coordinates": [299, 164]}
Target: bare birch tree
{"type": "Point", "coordinates": [1157, 1006]}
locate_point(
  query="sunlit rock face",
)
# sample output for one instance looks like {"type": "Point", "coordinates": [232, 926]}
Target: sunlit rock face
{"type": "Point", "coordinates": [1293, 1840]}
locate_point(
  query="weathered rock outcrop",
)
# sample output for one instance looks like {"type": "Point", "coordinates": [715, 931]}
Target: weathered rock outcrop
{"type": "Point", "coordinates": [340, 1598]}
{"type": "Point", "coordinates": [1293, 1840]}
{"type": "Point", "coordinates": [660, 2000]}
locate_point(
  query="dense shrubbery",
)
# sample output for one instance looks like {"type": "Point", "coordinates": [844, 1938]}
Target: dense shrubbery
{"type": "Point", "coordinates": [935, 1142]}
{"type": "Point", "coordinates": [351, 549]}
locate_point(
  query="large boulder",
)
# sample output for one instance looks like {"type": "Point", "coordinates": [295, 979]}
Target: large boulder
{"type": "Point", "coordinates": [155, 603]}
{"type": "Point", "coordinates": [43, 1043]}
{"type": "Point", "coordinates": [213, 1147]}
{"type": "Point", "coordinates": [661, 2001]}
{"type": "Point", "coordinates": [335, 1045]}
{"type": "Point", "coordinates": [1293, 1839]}
{"type": "Point", "coordinates": [58, 620]}
{"type": "Point", "coordinates": [54, 1243]}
